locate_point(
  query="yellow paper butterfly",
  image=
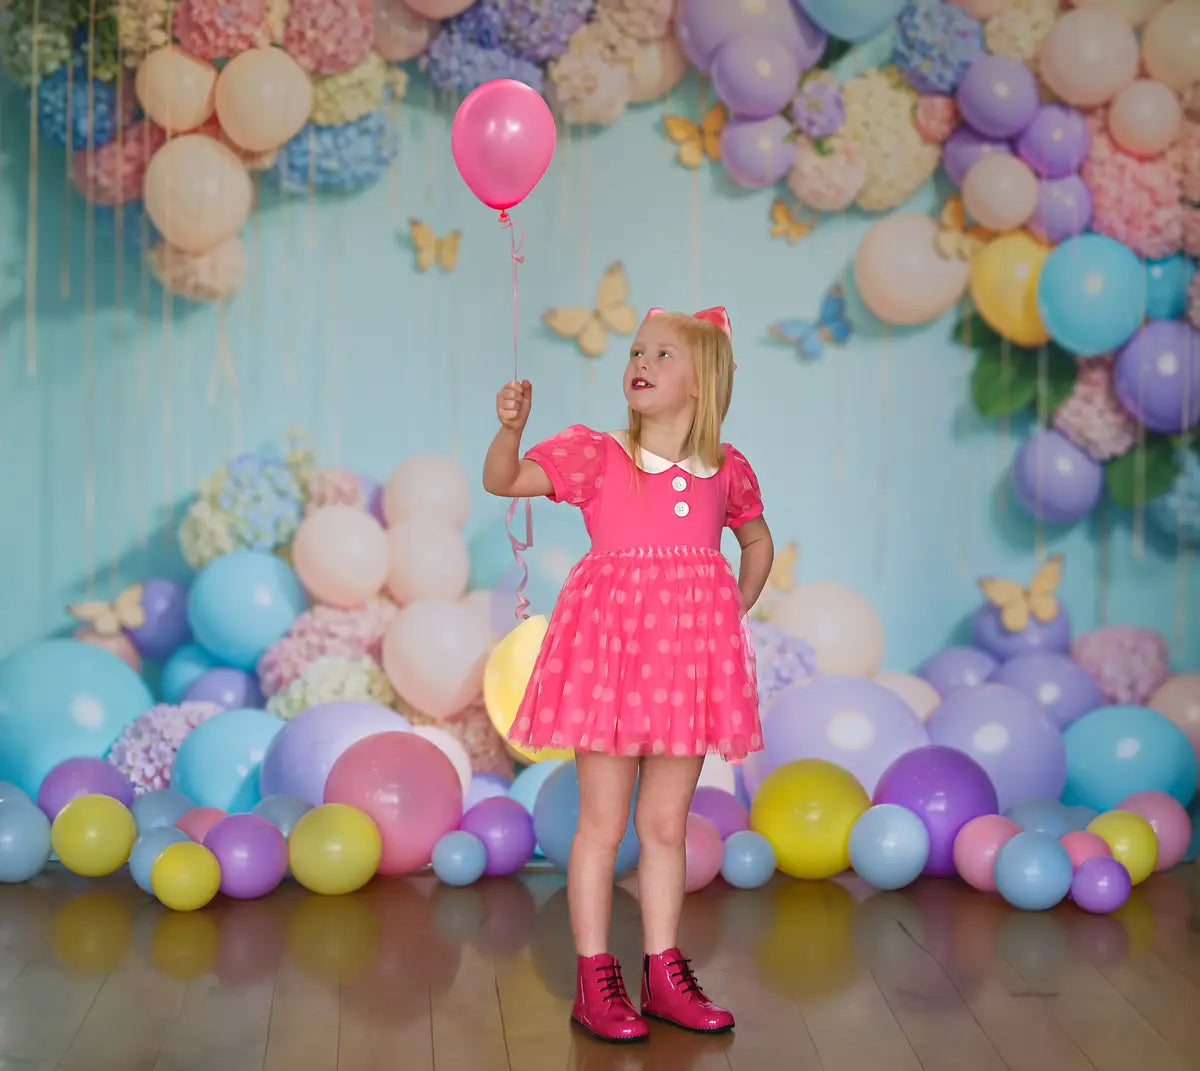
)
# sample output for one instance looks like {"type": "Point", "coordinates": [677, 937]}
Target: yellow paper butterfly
{"type": "Point", "coordinates": [697, 140]}
{"type": "Point", "coordinates": [955, 238]}
{"type": "Point", "coordinates": [590, 327]}
{"type": "Point", "coordinates": [432, 250]}
{"type": "Point", "coordinates": [1017, 604]}
{"type": "Point", "coordinates": [786, 224]}
{"type": "Point", "coordinates": [110, 618]}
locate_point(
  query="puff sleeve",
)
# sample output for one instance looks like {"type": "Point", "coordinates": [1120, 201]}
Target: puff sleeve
{"type": "Point", "coordinates": [743, 499]}
{"type": "Point", "coordinates": [574, 461]}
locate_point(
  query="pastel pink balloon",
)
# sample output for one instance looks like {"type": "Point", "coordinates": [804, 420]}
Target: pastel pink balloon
{"type": "Point", "coordinates": [1082, 846]}
{"type": "Point", "coordinates": [340, 555]}
{"type": "Point", "coordinates": [1145, 119]}
{"type": "Point", "coordinates": [704, 852]}
{"type": "Point", "coordinates": [975, 849]}
{"type": "Point", "coordinates": [1178, 699]}
{"type": "Point", "coordinates": [1171, 45]}
{"type": "Point", "coordinates": [400, 33]}
{"type": "Point", "coordinates": [431, 486]}
{"type": "Point", "coordinates": [120, 645]}
{"type": "Point", "coordinates": [439, 9]}
{"type": "Point", "coordinates": [1134, 12]}
{"type": "Point", "coordinates": [1089, 56]}
{"type": "Point", "coordinates": [1169, 820]}
{"type": "Point", "coordinates": [1000, 192]}
{"type": "Point", "coordinates": [198, 821]}
{"type": "Point", "coordinates": [503, 140]}
{"type": "Point", "coordinates": [427, 559]}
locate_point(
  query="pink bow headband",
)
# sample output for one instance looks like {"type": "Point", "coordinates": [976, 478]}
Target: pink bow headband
{"type": "Point", "coordinates": [717, 316]}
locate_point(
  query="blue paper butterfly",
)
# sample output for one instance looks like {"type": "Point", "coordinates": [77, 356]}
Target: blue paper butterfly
{"type": "Point", "coordinates": [831, 327]}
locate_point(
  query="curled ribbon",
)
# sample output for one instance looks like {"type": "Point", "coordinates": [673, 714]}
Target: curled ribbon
{"type": "Point", "coordinates": [519, 546]}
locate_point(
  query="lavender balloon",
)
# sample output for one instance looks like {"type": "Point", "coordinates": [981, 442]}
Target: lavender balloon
{"type": "Point", "coordinates": [1004, 731]}
{"type": "Point", "coordinates": [252, 852]}
{"type": "Point", "coordinates": [1060, 686]}
{"type": "Point", "coordinates": [1157, 376]}
{"type": "Point", "coordinates": [957, 667]}
{"type": "Point", "coordinates": [726, 812]}
{"type": "Point", "coordinates": [702, 27]}
{"type": "Point", "coordinates": [757, 152]}
{"type": "Point", "coordinates": [506, 830]}
{"type": "Point", "coordinates": [1064, 209]}
{"type": "Point", "coordinates": [229, 688]}
{"type": "Point", "coordinates": [945, 789]}
{"type": "Point", "coordinates": [964, 147]}
{"type": "Point", "coordinates": [754, 76]}
{"type": "Point", "coordinates": [998, 96]}
{"type": "Point", "coordinates": [1101, 885]}
{"type": "Point", "coordinates": [485, 787]}
{"type": "Point", "coordinates": [82, 777]}
{"type": "Point", "coordinates": [989, 633]}
{"type": "Point", "coordinates": [165, 630]}
{"type": "Point", "coordinates": [1054, 480]}
{"type": "Point", "coordinates": [372, 491]}
{"type": "Point", "coordinates": [1056, 142]}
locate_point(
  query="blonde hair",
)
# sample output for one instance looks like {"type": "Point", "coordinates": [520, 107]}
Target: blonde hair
{"type": "Point", "coordinates": [712, 361]}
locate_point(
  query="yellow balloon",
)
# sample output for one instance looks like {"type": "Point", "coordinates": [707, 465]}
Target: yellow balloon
{"type": "Point", "coordinates": [93, 835]}
{"type": "Point", "coordinates": [334, 849]}
{"type": "Point", "coordinates": [505, 678]}
{"type": "Point", "coordinates": [1131, 839]}
{"type": "Point", "coordinates": [185, 876]}
{"type": "Point", "coordinates": [805, 809]}
{"type": "Point", "coordinates": [1004, 282]}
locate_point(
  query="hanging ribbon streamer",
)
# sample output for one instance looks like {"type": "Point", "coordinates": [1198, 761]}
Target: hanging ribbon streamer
{"type": "Point", "coordinates": [519, 546]}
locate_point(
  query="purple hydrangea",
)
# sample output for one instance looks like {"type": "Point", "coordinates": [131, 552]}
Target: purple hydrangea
{"type": "Point", "coordinates": [936, 43]}
{"type": "Point", "coordinates": [456, 63]}
{"type": "Point", "coordinates": [482, 24]}
{"type": "Point", "coordinates": [538, 30]}
{"type": "Point", "coordinates": [818, 110]}
{"type": "Point", "coordinates": [781, 658]}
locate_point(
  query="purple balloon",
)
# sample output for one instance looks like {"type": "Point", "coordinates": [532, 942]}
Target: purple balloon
{"type": "Point", "coordinates": [1006, 732]}
{"type": "Point", "coordinates": [252, 852]}
{"type": "Point", "coordinates": [506, 829]}
{"type": "Point", "coordinates": [852, 722]}
{"type": "Point", "coordinates": [964, 147]}
{"type": "Point", "coordinates": [302, 753]}
{"type": "Point", "coordinates": [229, 688]}
{"type": "Point", "coordinates": [957, 667]}
{"type": "Point", "coordinates": [165, 630]}
{"type": "Point", "coordinates": [1101, 885]}
{"type": "Point", "coordinates": [722, 808]}
{"type": "Point", "coordinates": [702, 27]}
{"type": "Point", "coordinates": [373, 492]}
{"type": "Point", "coordinates": [945, 789]}
{"type": "Point", "coordinates": [82, 777]}
{"type": "Point", "coordinates": [1056, 143]}
{"type": "Point", "coordinates": [989, 633]}
{"type": "Point", "coordinates": [485, 787]}
{"type": "Point", "coordinates": [1157, 376]}
{"type": "Point", "coordinates": [1064, 209]}
{"type": "Point", "coordinates": [1060, 686]}
{"type": "Point", "coordinates": [757, 152]}
{"type": "Point", "coordinates": [998, 96]}
{"type": "Point", "coordinates": [754, 76]}
{"type": "Point", "coordinates": [1054, 480]}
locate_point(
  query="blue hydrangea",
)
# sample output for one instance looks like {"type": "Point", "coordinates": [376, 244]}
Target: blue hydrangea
{"type": "Point", "coordinates": [456, 64]}
{"type": "Point", "coordinates": [782, 659]}
{"type": "Point", "coordinates": [538, 30]}
{"type": "Point", "coordinates": [482, 24]}
{"type": "Point", "coordinates": [136, 231]}
{"type": "Point", "coordinates": [1177, 513]}
{"type": "Point", "coordinates": [265, 498]}
{"type": "Point", "coordinates": [66, 122]}
{"type": "Point", "coordinates": [936, 43]}
{"type": "Point", "coordinates": [344, 158]}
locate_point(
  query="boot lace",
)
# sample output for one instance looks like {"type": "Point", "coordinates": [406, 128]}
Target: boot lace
{"type": "Point", "coordinates": [680, 972]}
{"type": "Point", "coordinates": [610, 982]}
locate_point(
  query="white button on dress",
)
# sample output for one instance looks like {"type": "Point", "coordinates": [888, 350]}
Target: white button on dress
{"type": "Point", "coordinates": [681, 509]}
{"type": "Point", "coordinates": [679, 483]}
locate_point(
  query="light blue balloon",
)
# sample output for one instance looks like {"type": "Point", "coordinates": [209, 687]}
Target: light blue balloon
{"type": "Point", "coordinates": [1167, 283]}
{"type": "Point", "coordinates": [62, 699]}
{"type": "Point", "coordinates": [10, 793]}
{"type": "Point", "coordinates": [217, 764]}
{"type": "Point", "coordinates": [283, 812]}
{"type": "Point", "coordinates": [556, 817]}
{"type": "Point", "coordinates": [160, 809]}
{"type": "Point", "coordinates": [528, 783]}
{"type": "Point", "coordinates": [889, 846]}
{"type": "Point", "coordinates": [852, 20]}
{"type": "Point", "coordinates": [24, 841]}
{"type": "Point", "coordinates": [1116, 751]}
{"type": "Point", "coordinates": [491, 554]}
{"type": "Point", "coordinates": [747, 859]}
{"type": "Point", "coordinates": [1042, 816]}
{"type": "Point", "coordinates": [1033, 872]}
{"type": "Point", "coordinates": [1092, 294]}
{"type": "Point", "coordinates": [183, 667]}
{"type": "Point", "coordinates": [146, 850]}
{"type": "Point", "coordinates": [459, 858]}
{"type": "Point", "coordinates": [1081, 816]}
{"type": "Point", "coordinates": [243, 602]}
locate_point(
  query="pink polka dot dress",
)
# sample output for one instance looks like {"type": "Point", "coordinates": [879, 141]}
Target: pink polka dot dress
{"type": "Point", "coordinates": [647, 652]}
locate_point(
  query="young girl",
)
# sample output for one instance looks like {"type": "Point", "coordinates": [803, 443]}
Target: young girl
{"type": "Point", "coordinates": [647, 663]}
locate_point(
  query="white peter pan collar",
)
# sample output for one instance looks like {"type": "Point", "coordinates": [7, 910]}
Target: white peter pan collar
{"type": "Point", "coordinates": [653, 464]}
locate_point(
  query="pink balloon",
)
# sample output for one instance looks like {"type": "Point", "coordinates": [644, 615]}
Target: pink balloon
{"type": "Point", "coordinates": [198, 821]}
{"type": "Point", "coordinates": [408, 788]}
{"type": "Point", "coordinates": [400, 33]}
{"type": "Point", "coordinates": [975, 849]}
{"type": "Point", "coordinates": [502, 140]}
{"type": "Point", "coordinates": [1179, 700]}
{"type": "Point", "coordinates": [434, 654]}
{"type": "Point", "coordinates": [1168, 819]}
{"type": "Point", "coordinates": [340, 555]}
{"type": "Point", "coordinates": [1082, 846]}
{"type": "Point", "coordinates": [704, 852]}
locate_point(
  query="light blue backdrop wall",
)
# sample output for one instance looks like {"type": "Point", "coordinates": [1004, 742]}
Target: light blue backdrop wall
{"type": "Point", "coordinates": [869, 457]}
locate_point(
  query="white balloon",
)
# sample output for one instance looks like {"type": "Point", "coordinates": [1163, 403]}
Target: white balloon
{"type": "Point", "coordinates": [452, 749]}
{"type": "Point", "coordinates": [427, 559]}
{"type": "Point", "coordinates": [428, 486]}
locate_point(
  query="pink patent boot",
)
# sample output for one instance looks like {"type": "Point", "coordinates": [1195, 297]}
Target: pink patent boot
{"type": "Point", "coordinates": [602, 1005]}
{"type": "Point", "coordinates": [671, 993]}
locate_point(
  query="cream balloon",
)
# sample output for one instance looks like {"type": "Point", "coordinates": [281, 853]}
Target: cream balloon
{"type": "Point", "coordinates": [452, 748]}
{"type": "Point", "coordinates": [427, 485]}
{"type": "Point", "coordinates": [1146, 118]}
{"type": "Point", "coordinates": [197, 193]}
{"type": "Point", "coordinates": [1089, 56]}
{"type": "Point", "coordinates": [175, 89]}
{"type": "Point", "coordinates": [479, 602]}
{"type": "Point", "coordinates": [400, 33]}
{"type": "Point", "coordinates": [842, 627]}
{"type": "Point", "coordinates": [427, 559]}
{"type": "Point", "coordinates": [1178, 699]}
{"type": "Point", "coordinates": [984, 9]}
{"type": "Point", "coordinates": [340, 555]}
{"type": "Point", "coordinates": [921, 696]}
{"type": "Point", "coordinates": [434, 654]}
{"type": "Point", "coordinates": [1171, 45]}
{"type": "Point", "coordinates": [439, 9]}
{"type": "Point", "coordinates": [1134, 12]}
{"type": "Point", "coordinates": [263, 99]}
{"type": "Point", "coordinates": [1000, 192]}
{"type": "Point", "coordinates": [900, 274]}
{"type": "Point", "coordinates": [656, 68]}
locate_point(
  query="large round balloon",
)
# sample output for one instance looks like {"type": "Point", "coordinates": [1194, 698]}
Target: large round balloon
{"type": "Point", "coordinates": [24, 841]}
{"type": "Point", "coordinates": [175, 89]}
{"type": "Point", "coordinates": [556, 817]}
{"type": "Point", "coordinates": [843, 628]}
{"type": "Point", "coordinates": [900, 274]}
{"type": "Point", "coordinates": [263, 98]}
{"type": "Point", "coordinates": [218, 763]}
{"type": "Point", "coordinates": [197, 193]}
{"type": "Point", "coordinates": [430, 486]}
{"type": "Point", "coordinates": [1063, 689]}
{"type": "Point", "coordinates": [61, 699]}
{"type": "Point", "coordinates": [505, 678]}
{"type": "Point", "coordinates": [1054, 479]}
{"type": "Point", "coordinates": [1171, 44]}
{"type": "Point", "coordinates": [703, 27]}
{"type": "Point", "coordinates": [341, 555]}
{"type": "Point", "coordinates": [852, 20]}
{"type": "Point", "coordinates": [998, 96]}
{"type": "Point", "coordinates": [755, 75]}
{"type": "Point", "coordinates": [1157, 376]}
{"type": "Point", "coordinates": [82, 777]}
{"type": "Point", "coordinates": [1004, 287]}
{"type": "Point", "coordinates": [1178, 700]}
{"type": "Point", "coordinates": [1089, 56]}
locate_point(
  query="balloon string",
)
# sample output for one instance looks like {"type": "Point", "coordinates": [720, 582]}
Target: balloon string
{"type": "Point", "coordinates": [519, 546]}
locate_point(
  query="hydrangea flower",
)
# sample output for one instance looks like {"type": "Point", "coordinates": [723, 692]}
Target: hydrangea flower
{"type": "Point", "coordinates": [482, 24]}
{"type": "Point", "coordinates": [114, 173]}
{"type": "Point", "coordinates": [591, 81]}
{"type": "Point", "coordinates": [76, 114]}
{"type": "Point", "coordinates": [1177, 513]}
{"type": "Point", "coordinates": [1020, 29]}
{"type": "Point", "coordinates": [1137, 202]}
{"type": "Point", "coordinates": [329, 36]}
{"type": "Point", "coordinates": [143, 26]}
{"type": "Point", "coordinates": [43, 44]}
{"type": "Point", "coordinates": [330, 679]}
{"type": "Point", "coordinates": [216, 29]}
{"type": "Point", "coordinates": [936, 117]}
{"type": "Point", "coordinates": [335, 487]}
{"type": "Point", "coordinates": [1185, 154]}
{"type": "Point", "coordinates": [348, 157]}
{"type": "Point", "coordinates": [211, 276]}
{"type": "Point", "coordinates": [830, 176]}
{"type": "Point", "coordinates": [342, 98]}
{"type": "Point", "coordinates": [1128, 664]}
{"type": "Point", "coordinates": [458, 64]}
{"type": "Point", "coordinates": [781, 659]}
{"type": "Point", "coordinates": [145, 751]}
{"type": "Point", "coordinates": [818, 110]}
{"type": "Point", "coordinates": [935, 45]}
{"type": "Point", "coordinates": [538, 30]}
{"type": "Point", "coordinates": [1092, 416]}
{"type": "Point", "coordinates": [643, 21]}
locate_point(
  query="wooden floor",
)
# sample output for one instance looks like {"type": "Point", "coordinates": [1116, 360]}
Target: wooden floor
{"type": "Point", "coordinates": [410, 975]}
